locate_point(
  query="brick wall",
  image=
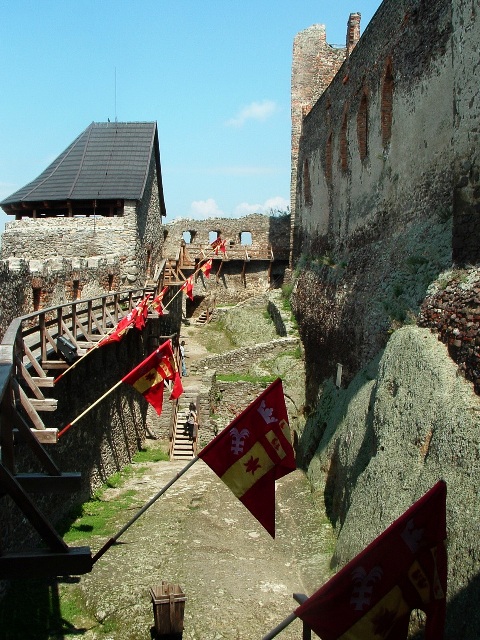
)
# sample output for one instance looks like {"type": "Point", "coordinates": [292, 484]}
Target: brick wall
{"type": "Point", "coordinates": [392, 178]}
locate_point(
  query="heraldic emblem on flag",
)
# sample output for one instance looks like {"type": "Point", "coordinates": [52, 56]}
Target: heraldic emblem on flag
{"type": "Point", "coordinates": [254, 451]}
{"type": "Point", "coordinates": [149, 376]}
{"type": "Point", "coordinates": [405, 568]}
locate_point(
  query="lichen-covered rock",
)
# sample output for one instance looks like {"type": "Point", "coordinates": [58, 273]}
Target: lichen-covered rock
{"type": "Point", "coordinates": [402, 424]}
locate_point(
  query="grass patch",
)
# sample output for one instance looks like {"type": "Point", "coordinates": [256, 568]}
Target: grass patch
{"type": "Point", "coordinates": [293, 353]}
{"type": "Point", "coordinates": [246, 377]}
{"type": "Point", "coordinates": [151, 455]}
{"type": "Point", "coordinates": [97, 517]}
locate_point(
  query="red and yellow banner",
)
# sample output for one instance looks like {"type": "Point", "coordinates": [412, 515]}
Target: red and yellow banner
{"type": "Point", "coordinates": [254, 451]}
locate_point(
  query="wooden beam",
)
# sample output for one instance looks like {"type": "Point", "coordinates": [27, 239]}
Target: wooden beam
{"type": "Point", "coordinates": [28, 508]}
{"type": "Point", "coordinates": [44, 483]}
{"type": "Point", "coordinates": [28, 435]}
{"type": "Point", "coordinates": [46, 436]}
{"type": "Point", "coordinates": [73, 561]}
{"type": "Point", "coordinates": [47, 404]}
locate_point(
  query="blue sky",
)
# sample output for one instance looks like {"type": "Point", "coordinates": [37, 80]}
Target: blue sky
{"type": "Point", "coordinates": [215, 75]}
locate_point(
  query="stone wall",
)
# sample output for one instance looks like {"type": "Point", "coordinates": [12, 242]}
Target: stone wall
{"type": "Point", "coordinates": [379, 153]}
{"type": "Point", "coordinates": [26, 284]}
{"type": "Point", "coordinates": [452, 312]}
{"type": "Point", "coordinates": [98, 445]}
{"type": "Point", "coordinates": [254, 233]}
{"type": "Point", "coordinates": [238, 359]}
{"type": "Point", "coordinates": [371, 449]}
{"type": "Point", "coordinates": [314, 65]}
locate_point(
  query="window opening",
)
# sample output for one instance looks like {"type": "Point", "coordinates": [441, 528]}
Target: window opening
{"type": "Point", "coordinates": [245, 237]}
{"type": "Point", "coordinates": [37, 294]}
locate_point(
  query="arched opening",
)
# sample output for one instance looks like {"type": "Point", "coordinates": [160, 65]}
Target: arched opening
{"type": "Point", "coordinates": [344, 143]}
{"type": "Point", "coordinates": [362, 127]}
{"type": "Point", "coordinates": [307, 189]}
{"type": "Point", "coordinates": [387, 104]}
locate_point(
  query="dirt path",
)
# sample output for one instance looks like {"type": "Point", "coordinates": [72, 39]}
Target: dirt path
{"type": "Point", "coordinates": [238, 580]}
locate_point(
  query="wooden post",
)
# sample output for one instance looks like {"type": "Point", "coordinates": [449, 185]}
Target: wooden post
{"type": "Point", "coordinates": [339, 375]}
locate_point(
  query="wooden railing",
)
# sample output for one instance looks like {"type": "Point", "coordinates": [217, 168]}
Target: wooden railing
{"type": "Point", "coordinates": [34, 345]}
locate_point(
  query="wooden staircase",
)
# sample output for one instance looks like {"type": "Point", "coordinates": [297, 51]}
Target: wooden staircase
{"type": "Point", "coordinates": [207, 316]}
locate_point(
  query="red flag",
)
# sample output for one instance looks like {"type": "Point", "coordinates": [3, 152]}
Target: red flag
{"type": "Point", "coordinates": [156, 303]}
{"type": "Point", "coordinates": [216, 243]}
{"type": "Point", "coordinates": [148, 378]}
{"type": "Point", "coordinates": [221, 246]}
{"type": "Point", "coordinates": [206, 268]}
{"type": "Point", "coordinates": [142, 314]}
{"type": "Point", "coordinates": [187, 286]}
{"type": "Point", "coordinates": [254, 451]}
{"type": "Point", "coordinates": [121, 329]}
{"type": "Point", "coordinates": [405, 568]}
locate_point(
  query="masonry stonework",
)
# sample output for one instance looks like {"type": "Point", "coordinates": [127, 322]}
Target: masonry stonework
{"type": "Point", "coordinates": [132, 239]}
{"type": "Point", "coordinates": [377, 205]}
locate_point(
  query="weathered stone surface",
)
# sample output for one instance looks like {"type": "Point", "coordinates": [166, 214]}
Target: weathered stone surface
{"type": "Point", "coordinates": [374, 448]}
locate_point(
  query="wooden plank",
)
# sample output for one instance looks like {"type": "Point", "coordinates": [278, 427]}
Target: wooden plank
{"type": "Point", "coordinates": [29, 380]}
{"type": "Point", "coordinates": [25, 402]}
{"type": "Point", "coordinates": [44, 381]}
{"type": "Point", "coordinates": [44, 483]}
{"type": "Point", "coordinates": [82, 328]}
{"type": "Point", "coordinates": [28, 436]}
{"type": "Point", "coordinates": [33, 361]}
{"type": "Point", "coordinates": [48, 404]}
{"type": "Point", "coordinates": [75, 561]}
{"type": "Point", "coordinates": [52, 342]}
{"type": "Point", "coordinates": [69, 334]}
{"type": "Point", "coordinates": [98, 324]}
{"type": "Point", "coordinates": [54, 364]}
{"type": "Point", "coordinates": [45, 436]}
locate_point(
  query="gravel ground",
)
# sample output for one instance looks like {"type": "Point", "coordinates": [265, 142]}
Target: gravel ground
{"type": "Point", "coordinates": [238, 581]}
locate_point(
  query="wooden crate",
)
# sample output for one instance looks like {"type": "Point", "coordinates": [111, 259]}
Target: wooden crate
{"type": "Point", "coordinates": [168, 608]}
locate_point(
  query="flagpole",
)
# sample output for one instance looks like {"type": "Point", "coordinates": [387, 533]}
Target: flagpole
{"type": "Point", "coordinates": [95, 346]}
{"type": "Point", "coordinates": [112, 541]}
{"type": "Point", "coordinates": [280, 627]}
{"type": "Point", "coordinates": [180, 289]}
{"type": "Point", "coordinates": [70, 424]}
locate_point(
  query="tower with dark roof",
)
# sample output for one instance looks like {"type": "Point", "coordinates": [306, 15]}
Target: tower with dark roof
{"type": "Point", "coordinates": [102, 196]}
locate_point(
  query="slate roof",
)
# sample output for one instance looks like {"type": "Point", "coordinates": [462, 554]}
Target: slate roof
{"type": "Point", "coordinates": [109, 160]}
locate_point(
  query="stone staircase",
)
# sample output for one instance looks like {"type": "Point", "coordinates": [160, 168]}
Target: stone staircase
{"type": "Point", "coordinates": [183, 447]}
